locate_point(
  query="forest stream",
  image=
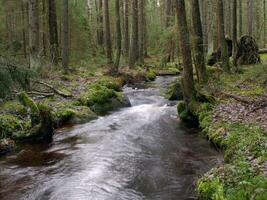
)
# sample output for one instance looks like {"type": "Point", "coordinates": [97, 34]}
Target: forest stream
{"type": "Point", "coordinates": [140, 152]}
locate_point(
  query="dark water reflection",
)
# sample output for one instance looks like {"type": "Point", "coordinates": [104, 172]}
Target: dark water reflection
{"type": "Point", "coordinates": [142, 152]}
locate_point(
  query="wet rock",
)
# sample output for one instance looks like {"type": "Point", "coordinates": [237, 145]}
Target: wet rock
{"type": "Point", "coordinates": [175, 90]}
{"type": "Point", "coordinates": [6, 146]}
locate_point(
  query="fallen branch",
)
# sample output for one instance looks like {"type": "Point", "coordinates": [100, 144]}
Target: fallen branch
{"type": "Point", "coordinates": [60, 93]}
{"type": "Point", "coordinates": [262, 51]}
{"type": "Point", "coordinates": [233, 96]}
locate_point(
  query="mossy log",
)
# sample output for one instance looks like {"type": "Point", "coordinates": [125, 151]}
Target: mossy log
{"type": "Point", "coordinates": [247, 51]}
{"type": "Point", "coordinates": [41, 121]}
{"type": "Point", "coordinates": [26, 101]}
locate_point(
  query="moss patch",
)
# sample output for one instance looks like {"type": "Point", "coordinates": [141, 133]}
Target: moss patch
{"type": "Point", "coordinates": [243, 176]}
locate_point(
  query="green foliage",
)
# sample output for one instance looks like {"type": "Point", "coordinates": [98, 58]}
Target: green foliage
{"type": "Point", "coordinates": [12, 75]}
{"type": "Point", "coordinates": [8, 124]}
{"type": "Point", "coordinates": [151, 75]}
{"type": "Point", "coordinates": [30, 104]}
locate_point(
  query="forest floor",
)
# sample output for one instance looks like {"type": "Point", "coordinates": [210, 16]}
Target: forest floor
{"type": "Point", "coordinates": [237, 122]}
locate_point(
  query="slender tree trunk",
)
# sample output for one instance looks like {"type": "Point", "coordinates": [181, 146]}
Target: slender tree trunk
{"type": "Point", "coordinates": [133, 56]}
{"type": "Point", "coordinates": [223, 44]}
{"type": "Point", "coordinates": [250, 17]}
{"type": "Point", "coordinates": [200, 65]}
{"type": "Point", "coordinates": [234, 31]}
{"type": "Point", "coordinates": [240, 18]}
{"type": "Point", "coordinates": [65, 35]}
{"type": "Point", "coordinates": [145, 33]}
{"type": "Point", "coordinates": [118, 37]}
{"type": "Point", "coordinates": [34, 34]}
{"type": "Point", "coordinates": [100, 24]}
{"type": "Point", "coordinates": [126, 28]}
{"type": "Point", "coordinates": [23, 10]}
{"type": "Point", "coordinates": [141, 31]}
{"type": "Point", "coordinates": [264, 24]}
{"type": "Point", "coordinates": [187, 80]}
{"type": "Point", "coordinates": [168, 12]}
{"type": "Point", "coordinates": [107, 32]}
{"type": "Point", "coordinates": [53, 33]}
{"type": "Point", "coordinates": [44, 27]}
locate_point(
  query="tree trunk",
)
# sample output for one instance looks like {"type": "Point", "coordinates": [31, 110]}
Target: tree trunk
{"type": "Point", "coordinates": [53, 33]}
{"type": "Point", "coordinates": [107, 32]}
{"type": "Point", "coordinates": [187, 80]}
{"type": "Point", "coordinates": [168, 12]}
{"type": "Point", "coordinates": [240, 18]}
{"type": "Point", "coordinates": [118, 37]}
{"type": "Point", "coordinates": [65, 35]}
{"type": "Point", "coordinates": [141, 31]}
{"type": "Point", "coordinates": [133, 56]}
{"type": "Point", "coordinates": [264, 24]}
{"type": "Point", "coordinates": [250, 17]}
{"type": "Point", "coordinates": [126, 28]}
{"type": "Point", "coordinates": [234, 31]}
{"type": "Point", "coordinates": [200, 65]}
{"type": "Point", "coordinates": [223, 44]}
{"type": "Point", "coordinates": [100, 31]}
{"type": "Point", "coordinates": [34, 34]}
{"type": "Point", "coordinates": [23, 10]}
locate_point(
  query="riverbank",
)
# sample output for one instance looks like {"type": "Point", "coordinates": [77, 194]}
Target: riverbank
{"type": "Point", "coordinates": [86, 95]}
{"type": "Point", "coordinates": [236, 122]}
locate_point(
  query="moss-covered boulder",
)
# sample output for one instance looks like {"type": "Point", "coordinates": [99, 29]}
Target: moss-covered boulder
{"type": "Point", "coordinates": [174, 91]}
{"type": "Point", "coordinates": [187, 115]}
{"type": "Point", "coordinates": [63, 113]}
{"type": "Point", "coordinates": [103, 96]}
{"type": "Point", "coordinates": [151, 75]}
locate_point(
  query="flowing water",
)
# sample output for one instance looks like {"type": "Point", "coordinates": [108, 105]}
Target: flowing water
{"type": "Point", "coordinates": [140, 152]}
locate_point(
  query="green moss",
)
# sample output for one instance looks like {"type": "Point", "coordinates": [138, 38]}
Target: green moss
{"type": "Point", "coordinates": [13, 107]}
{"type": "Point", "coordinates": [97, 94]}
{"type": "Point", "coordinates": [108, 82]}
{"type": "Point", "coordinates": [151, 75]}
{"type": "Point", "coordinates": [9, 124]}
{"type": "Point", "coordinates": [29, 103]}
{"type": "Point", "coordinates": [174, 91]}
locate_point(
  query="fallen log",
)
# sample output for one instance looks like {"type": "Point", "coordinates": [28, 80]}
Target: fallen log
{"type": "Point", "coordinates": [262, 51]}
{"type": "Point", "coordinates": [236, 97]}
{"type": "Point", "coordinates": [58, 92]}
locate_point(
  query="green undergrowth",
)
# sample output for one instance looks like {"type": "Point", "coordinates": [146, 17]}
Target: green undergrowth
{"type": "Point", "coordinates": [243, 175]}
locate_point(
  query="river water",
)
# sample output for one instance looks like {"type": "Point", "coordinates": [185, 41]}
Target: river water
{"type": "Point", "coordinates": [140, 152]}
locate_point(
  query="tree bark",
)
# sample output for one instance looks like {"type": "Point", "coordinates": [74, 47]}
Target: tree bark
{"type": "Point", "coordinates": [141, 31]}
{"type": "Point", "coordinates": [234, 31]}
{"type": "Point", "coordinates": [133, 55]}
{"type": "Point", "coordinates": [240, 18]}
{"type": "Point", "coordinates": [187, 80]}
{"type": "Point", "coordinates": [200, 65]}
{"type": "Point", "coordinates": [223, 44]}
{"type": "Point", "coordinates": [107, 32]}
{"type": "Point", "coordinates": [53, 32]}
{"type": "Point", "coordinates": [65, 35]}
{"type": "Point", "coordinates": [168, 12]}
{"type": "Point", "coordinates": [250, 17]}
{"type": "Point", "coordinates": [34, 34]}
{"type": "Point", "coordinates": [118, 37]}
{"type": "Point", "coordinates": [126, 28]}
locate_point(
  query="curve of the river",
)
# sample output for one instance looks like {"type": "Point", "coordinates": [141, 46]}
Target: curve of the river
{"type": "Point", "coordinates": [140, 152]}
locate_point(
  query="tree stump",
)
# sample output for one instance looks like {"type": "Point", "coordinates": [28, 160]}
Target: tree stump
{"type": "Point", "coordinates": [247, 51]}
{"type": "Point", "coordinates": [216, 56]}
